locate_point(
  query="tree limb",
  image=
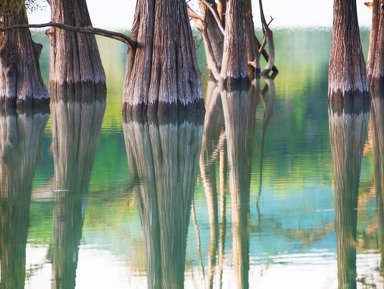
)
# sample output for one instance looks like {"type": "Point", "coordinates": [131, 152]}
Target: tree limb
{"type": "Point", "coordinates": [215, 16]}
{"type": "Point", "coordinates": [87, 30]}
{"type": "Point", "coordinates": [269, 34]}
{"type": "Point", "coordinates": [195, 17]}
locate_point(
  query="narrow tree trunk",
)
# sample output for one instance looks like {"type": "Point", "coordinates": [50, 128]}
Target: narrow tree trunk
{"type": "Point", "coordinates": [20, 78]}
{"type": "Point", "coordinates": [75, 64]}
{"type": "Point", "coordinates": [76, 129]}
{"type": "Point", "coordinates": [162, 74]}
{"type": "Point", "coordinates": [375, 63]}
{"type": "Point", "coordinates": [20, 142]}
{"type": "Point", "coordinates": [347, 72]}
{"type": "Point", "coordinates": [348, 131]}
{"type": "Point", "coordinates": [235, 64]}
{"type": "Point", "coordinates": [253, 54]}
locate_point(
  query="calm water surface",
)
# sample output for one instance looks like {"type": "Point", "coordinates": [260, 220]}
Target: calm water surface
{"type": "Point", "coordinates": [270, 189]}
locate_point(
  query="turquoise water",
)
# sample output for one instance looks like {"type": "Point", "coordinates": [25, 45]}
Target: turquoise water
{"type": "Point", "coordinates": [270, 188]}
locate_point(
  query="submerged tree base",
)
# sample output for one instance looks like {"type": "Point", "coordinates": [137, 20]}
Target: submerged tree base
{"type": "Point", "coordinates": [78, 88]}
{"type": "Point", "coordinates": [349, 96]}
{"type": "Point", "coordinates": [165, 108]}
{"type": "Point", "coordinates": [27, 102]}
{"type": "Point", "coordinates": [78, 97]}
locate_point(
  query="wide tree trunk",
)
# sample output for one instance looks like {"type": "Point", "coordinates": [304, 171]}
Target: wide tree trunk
{"type": "Point", "coordinates": [76, 129]}
{"type": "Point", "coordinates": [75, 64]}
{"type": "Point", "coordinates": [20, 78]}
{"type": "Point", "coordinates": [166, 169]}
{"type": "Point", "coordinates": [375, 63]}
{"type": "Point", "coordinates": [235, 64]}
{"type": "Point", "coordinates": [20, 142]}
{"type": "Point", "coordinates": [348, 131]}
{"type": "Point", "coordinates": [347, 72]}
{"type": "Point", "coordinates": [162, 74]}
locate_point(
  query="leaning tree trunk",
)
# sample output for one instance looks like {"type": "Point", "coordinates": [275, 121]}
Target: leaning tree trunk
{"type": "Point", "coordinates": [20, 143]}
{"type": "Point", "coordinates": [347, 73]}
{"type": "Point", "coordinates": [162, 73]}
{"type": "Point", "coordinates": [375, 63]}
{"type": "Point", "coordinates": [348, 130]}
{"type": "Point", "coordinates": [75, 64]}
{"type": "Point", "coordinates": [235, 65]}
{"type": "Point", "coordinates": [20, 78]}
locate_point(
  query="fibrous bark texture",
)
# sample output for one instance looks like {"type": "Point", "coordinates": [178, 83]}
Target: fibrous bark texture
{"type": "Point", "coordinates": [166, 169]}
{"type": "Point", "coordinates": [347, 72]}
{"type": "Point", "coordinates": [76, 129]}
{"type": "Point", "coordinates": [235, 64]}
{"type": "Point", "coordinates": [162, 74]}
{"type": "Point", "coordinates": [20, 78]}
{"type": "Point", "coordinates": [75, 64]}
{"type": "Point", "coordinates": [20, 142]}
{"type": "Point", "coordinates": [348, 131]}
{"type": "Point", "coordinates": [375, 63]}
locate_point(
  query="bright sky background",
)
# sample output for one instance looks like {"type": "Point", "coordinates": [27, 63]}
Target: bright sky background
{"type": "Point", "coordinates": [118, 14]}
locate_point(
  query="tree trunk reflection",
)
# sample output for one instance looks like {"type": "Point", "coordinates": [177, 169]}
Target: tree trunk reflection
{"type": "Point", "coordinates": [348, 132]}
{"type": "Point", "coordinates": [163, 156]}
{"type": "Point", "coordinates": [20, 141]}
{"type": "Point", "coordinates": [76, 129]}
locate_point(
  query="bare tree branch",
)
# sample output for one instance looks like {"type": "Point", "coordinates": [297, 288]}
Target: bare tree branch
{"type": "Point", "coordinates": [214, 15]}
{"type": "Point", "coordinates": [269, 34]}
{"type": "Point", "coordinates": [195, 17]}
{"type": "Point", "coordinates": [87, 30]}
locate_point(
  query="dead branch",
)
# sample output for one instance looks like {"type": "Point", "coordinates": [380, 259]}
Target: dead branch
{"type": "Point", "coordinates": [217, 18]}
{"type": "Point", "coordinates": [195, 17]}
{"type": "Point", "coordinates": [87, 30]}
{"type": "Point", "coordinates": [269, 35]}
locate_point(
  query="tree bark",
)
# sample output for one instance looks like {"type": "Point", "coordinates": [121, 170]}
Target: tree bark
{"type": "Point", "coordinates": [162, 74]}
{"type": "Point", "coordinates": [375, 63]}
{"type": "Point", "coordinates": [348, 131]}
{"type": "Point", "coordinates": [347, 72]}
{"type": "Point", "coordinates": [20, 142]}
{"type": "Point", "coordinates": [235, 64]}
{"type": "Point", "coordinates": [166, 169]}
{"type": "Point", "coordinates": [75, 63]}
{"type": "Point", "coordinates": [21, 83]}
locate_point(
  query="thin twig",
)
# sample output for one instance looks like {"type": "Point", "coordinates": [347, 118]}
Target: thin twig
{"type": "Point", "coordinates": [217, 18]}
{"type": "Point", "coordinates": [87, 30]}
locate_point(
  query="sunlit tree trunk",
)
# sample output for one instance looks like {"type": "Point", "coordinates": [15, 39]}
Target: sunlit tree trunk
{"type": "Point", "coordinates": [375, 63]}
{"type": "Point", "coordinates": [76, 129]}
{"type": "Point", "coordinates": [162, 74]}
{"type": "Point", "coordinates": [348, 131]}
{"type": "Point", "coordinates": [20, 78]}
{"type": "Point", "coordinates": [75, 63]}
{"type": "Point", "coordinates": [166, 170]}
{"type": "Point", "coordinates": [235, 64]}
{"type": "Point", "coordinates": [347, 72]}
{"type": "Point", "coordinates": [20, 142]}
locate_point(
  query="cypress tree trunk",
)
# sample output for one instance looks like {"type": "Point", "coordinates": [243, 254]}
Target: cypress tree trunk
{"type": "Point", "coordinates": [20, 78]}
{"type": "Point", "coordinates": [375, 63]}
{"type": "Point", "coordinates": [162, 74]}
{"type": "Point", "coordinates": [75, 64]}
{"type": "Point", "coordinates": [348, 131]}
{"type": "Point", "coordinates": [235, 64]}
{"type": "Point", "coordinates": [20, 142]}
{"type": "Point", "coordinates": [347, 72]}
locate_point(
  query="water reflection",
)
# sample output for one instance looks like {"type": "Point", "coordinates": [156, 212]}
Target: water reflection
{"type": "Point", "coordinates": [348, 132]}
{"type": "Point", "coordinates": [229, 140]}
{"type": "Point", "coordinates": [76, 129]}
{"type": "Point", "coordinates": [163, 154]}
{"type": "Point", "coordinates": [377, 130]}
{"type": "Point", "coordinates": [20, 142]}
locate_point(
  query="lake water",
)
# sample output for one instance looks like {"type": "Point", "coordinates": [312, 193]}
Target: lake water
{"type": "Point", "coordinates": [270, 189]}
